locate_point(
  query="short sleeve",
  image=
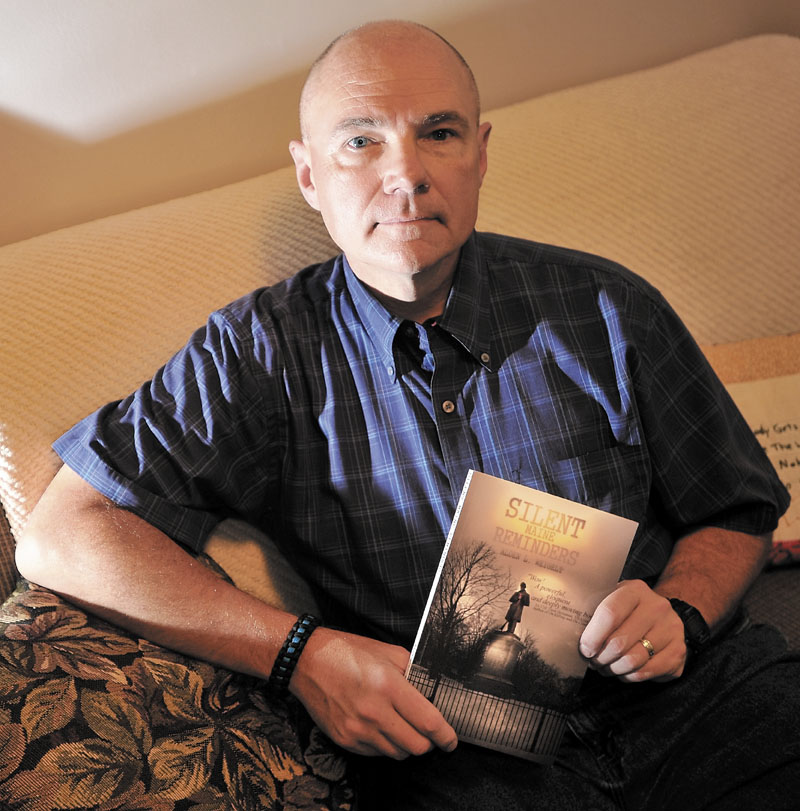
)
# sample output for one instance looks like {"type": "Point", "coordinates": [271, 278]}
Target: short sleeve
{"type": "Point", "coordinates": [708, 468]}
{"type": "Point", "coordinates": [193, 445]}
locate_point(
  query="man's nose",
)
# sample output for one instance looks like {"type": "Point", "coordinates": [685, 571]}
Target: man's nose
{"type": "Point", "coordinates": [404, 170]}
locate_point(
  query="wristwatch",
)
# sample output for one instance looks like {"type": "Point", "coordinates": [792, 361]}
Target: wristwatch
{"type": "Point", "coordinates": [695, 628]}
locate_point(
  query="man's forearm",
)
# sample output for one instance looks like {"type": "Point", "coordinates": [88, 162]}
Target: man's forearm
{"type": "Point", "coordinates": [712, 569]}
{"type": "Point", "coordinates": [120, 567]}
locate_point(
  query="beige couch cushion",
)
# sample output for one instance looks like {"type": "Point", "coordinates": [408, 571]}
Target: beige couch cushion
{"type": "Point", "coordinates": [90, 312]}
{"type": "Point", "coordinates": [688, 173]}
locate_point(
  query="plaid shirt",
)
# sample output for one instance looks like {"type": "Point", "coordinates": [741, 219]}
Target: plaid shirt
{"type": "Point", "coordinates": [346, 433]}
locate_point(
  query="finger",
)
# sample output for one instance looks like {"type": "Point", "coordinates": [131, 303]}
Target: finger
{"type": "Point", "coordinates": [383, 746]}
{"type": "Point", "coordinates": [396, 739]}
{"type": "Point", "coordinates": [637, 665]}
{"type": "Point", "coordinates": [624, 647]}
{"type": "Point", "coordinates": [630, 649]}
{"type": "Point", "coordinates": [633, 655]}
{"type": "Point", "coordinates": [607, 617]}
{"type": "Point", "coordinates": [426, 720]}
{"type": "Point", "coordinates": [401, 740]}
{"type": "Point", "coordinates": [407, 725]}
{"type": "Point", "coordinates": [665, 665]}
{"type": "Point", "coordinates": [367, 750]}
{"type": "Point", "coordinates": [377, 733]}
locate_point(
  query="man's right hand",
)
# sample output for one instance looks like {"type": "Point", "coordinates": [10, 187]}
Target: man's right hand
{"type": "Point", "coordinates": [354, 689]}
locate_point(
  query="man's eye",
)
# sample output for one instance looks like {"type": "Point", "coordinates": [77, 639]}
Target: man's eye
{"type": "Point", "coordinates": [441, 135]}
{"type": "Point", "coordinates": [359, 142]}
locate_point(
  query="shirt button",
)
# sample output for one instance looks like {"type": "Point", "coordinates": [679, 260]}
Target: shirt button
{"type": "Point", "coordinates": [390, 371]}
{"type": "Point", "coordinates": [448, 406]}
{"type": "Point", "coordinates": [485, 357]}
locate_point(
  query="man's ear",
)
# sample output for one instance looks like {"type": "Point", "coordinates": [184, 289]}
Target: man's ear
{"type": "Point", "coordinates": [305, 177]}
{"type": "Point", "coordinates": [484, 130]}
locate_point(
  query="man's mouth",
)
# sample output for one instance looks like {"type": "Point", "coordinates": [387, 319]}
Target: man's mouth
{"type": "Point", "coordinates": [406, 220]}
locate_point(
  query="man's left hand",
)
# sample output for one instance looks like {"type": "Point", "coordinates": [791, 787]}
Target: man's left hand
{"type": "Point", "coordinates": [635, 635]}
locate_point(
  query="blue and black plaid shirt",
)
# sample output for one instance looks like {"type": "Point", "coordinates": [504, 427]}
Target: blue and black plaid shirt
{"type": "Point", "coordinates": [346, 433]}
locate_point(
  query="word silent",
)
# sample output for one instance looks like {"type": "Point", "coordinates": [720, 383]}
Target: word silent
{"type": "Point", "coordinates": [535, 515]}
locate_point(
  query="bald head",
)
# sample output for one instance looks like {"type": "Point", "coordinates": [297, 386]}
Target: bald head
{"type": "Point", "coordinates": [403, 37]}
{"type": "Point", "coordinates": [393, 156]}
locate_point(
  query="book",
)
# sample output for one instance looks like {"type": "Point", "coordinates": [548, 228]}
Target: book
{"type": "Point", "coordinates": [519, 578]}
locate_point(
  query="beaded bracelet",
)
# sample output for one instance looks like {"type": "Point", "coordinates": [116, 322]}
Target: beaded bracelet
{"type": "Point", "coordinates": [290, 652]}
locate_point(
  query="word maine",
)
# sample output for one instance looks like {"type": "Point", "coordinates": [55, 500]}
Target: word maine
{"type": "Point", "coordinates": [542, 526]}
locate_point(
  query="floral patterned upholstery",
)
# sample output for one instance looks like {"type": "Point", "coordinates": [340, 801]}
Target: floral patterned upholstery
{"type": "Point", "coordinates": [92, 717]}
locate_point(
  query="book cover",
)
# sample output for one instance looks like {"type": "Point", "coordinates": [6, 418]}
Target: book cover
{"type": "Point", "coordinates": [520, 576]}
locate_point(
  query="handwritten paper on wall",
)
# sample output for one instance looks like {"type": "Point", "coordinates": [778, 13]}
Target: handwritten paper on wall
{"type": "Point", "coordinates": [772, 409]}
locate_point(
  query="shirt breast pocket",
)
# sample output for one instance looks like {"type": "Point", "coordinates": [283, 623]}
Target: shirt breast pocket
{"type": "Point", "coordinates": [614, 479]}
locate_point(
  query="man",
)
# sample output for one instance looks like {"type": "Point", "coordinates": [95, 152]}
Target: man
{"type": "Point", "coordinates": [519, 599]}
{"type": "Point", "coordinates": [341, 411]}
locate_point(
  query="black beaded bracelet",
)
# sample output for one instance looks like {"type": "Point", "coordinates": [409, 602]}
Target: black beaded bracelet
{"type": "Point", "coordinates": [290, 652]}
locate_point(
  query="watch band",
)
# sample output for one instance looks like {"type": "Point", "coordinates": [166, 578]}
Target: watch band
{"type": "Point", "coordinates": [695, 628]}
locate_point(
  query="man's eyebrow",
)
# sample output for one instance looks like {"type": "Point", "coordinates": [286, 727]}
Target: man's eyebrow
{"type": "Point", "coordinates": [447, 117]}
{"type": "Point", "coordinates": [357, 123]}
{"type": "Point", "coordinates": [369, 123]}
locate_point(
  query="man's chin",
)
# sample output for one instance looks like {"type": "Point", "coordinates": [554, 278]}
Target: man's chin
{"type": "Point", "coordinates": [414, 248]}
{"type": "Point", "coordinates": [411, 258]}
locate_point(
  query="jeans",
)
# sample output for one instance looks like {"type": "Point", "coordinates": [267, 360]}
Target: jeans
{"type": "Point", "coordinates": [726, 735]}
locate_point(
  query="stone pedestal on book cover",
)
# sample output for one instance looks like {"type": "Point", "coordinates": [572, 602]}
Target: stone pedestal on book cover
{"type": "Point", "coordinates": [501, 649]}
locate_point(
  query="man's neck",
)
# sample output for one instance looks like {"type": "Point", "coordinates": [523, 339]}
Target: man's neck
{"type": "Point", "coordinates": [416, 298]}
{"type": "Point", "coordinates": [417, 310]}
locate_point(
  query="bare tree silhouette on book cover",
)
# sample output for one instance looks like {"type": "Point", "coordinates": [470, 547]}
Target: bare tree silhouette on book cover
{"type": "Point", "coordinates": [497, 649]}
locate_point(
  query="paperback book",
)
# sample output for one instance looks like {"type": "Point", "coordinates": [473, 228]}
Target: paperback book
{"type": "Point", "coordinates": [520, 576]}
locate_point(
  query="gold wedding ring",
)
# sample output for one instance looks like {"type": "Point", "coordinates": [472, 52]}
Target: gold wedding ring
{"type": "Point", "coordinates": [648, 646]}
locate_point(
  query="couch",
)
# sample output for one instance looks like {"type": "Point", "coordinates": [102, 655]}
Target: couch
{"type": "Point", "coordinates": [689, 173]}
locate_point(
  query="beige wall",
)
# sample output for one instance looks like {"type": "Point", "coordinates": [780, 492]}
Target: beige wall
{"type": "Point", "coordinates": [109, 106]}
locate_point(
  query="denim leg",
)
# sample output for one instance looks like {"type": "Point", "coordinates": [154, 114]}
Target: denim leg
{"type": "Point", "coordinates": [725, 735]}
{"type": "Point", "coordinates": [476, 779]}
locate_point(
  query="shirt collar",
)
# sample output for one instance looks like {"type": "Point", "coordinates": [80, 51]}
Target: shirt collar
{"type": "Point", "coordinates": [379, 323]}
{"type": "Point", "coordinates": [466, 315]}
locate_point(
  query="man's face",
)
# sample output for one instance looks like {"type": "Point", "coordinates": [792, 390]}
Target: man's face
{"type": "Point", "coordinates": [393, 156]}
